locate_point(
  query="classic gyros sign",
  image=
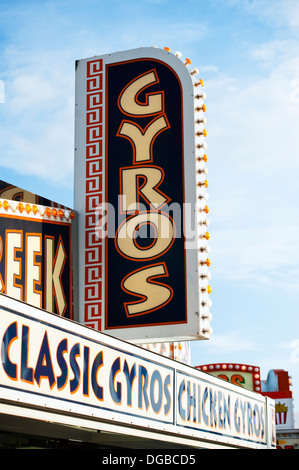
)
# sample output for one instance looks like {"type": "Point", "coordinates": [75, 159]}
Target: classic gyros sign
{"type": "Point", "coordinates": [51, 363]}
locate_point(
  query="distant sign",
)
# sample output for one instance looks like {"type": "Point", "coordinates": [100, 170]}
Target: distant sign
{"type": "Point", "coordinates": [35, 255]}
{"type": "Point", "coordinates": [56, 365]}
{"type": "Point", "coordinates": [244, 375]}
{"type": "Point", "coordinates": [135, 183]}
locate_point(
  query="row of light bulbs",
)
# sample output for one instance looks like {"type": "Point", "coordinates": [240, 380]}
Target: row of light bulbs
{"type": "Point", "coordinates": [201, 159]}
{"type": "Point", "coordinates": [202, 198]}
{"type": "Point", "coordinates": [36, 210]}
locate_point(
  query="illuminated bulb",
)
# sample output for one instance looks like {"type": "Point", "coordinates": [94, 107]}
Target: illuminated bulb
{"type": "Point", "coordinates": [54, 212]}
{"type": "Point", "coordinates": [34, 209]}
{"type": "Point", "coordinates": [48, 212]}
{"type": "Point", "coordinates": [206, 235]}
{"type": "Point", "coordinates": [200, 133]}
{"type": "Point", "coordinates": [166, 49]}
{"type": "Point", "coordinates": [28, 208]}
{"type": "Point", "coordinates": [60, 213]}
{"type": "Point", "coordinates": [21, 207]}
{"type": "Point", "coordinates": [199, 83]}
{"type": "Point", "coordinates": [188, 62]}
{"type": "Point", "coordinates": [72, 215]}
{"type": "Point", "coordinates": [204, 209]}
{"type": "Point", "coordinates": [201, 108]}
{"type": "Point", "coordinates": [201, 159]}
{"type": "Point", "coordinates": [204, 183]}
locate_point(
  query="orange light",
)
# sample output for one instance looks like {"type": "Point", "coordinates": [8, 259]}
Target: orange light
{"type": "Point", "coordinates": [203, 132]}
{"type": "Point", "coordinates": [204, 108]}
{"type": "Point", "coordinates": [207, 235]}
{"type": "Point", "coordinates": [205, 158]}
{"type": "Point", "coordinates": [209, 289]}
{"type": "Point", "coordinates": [72, 215]}
{"type": "Point", "coordinates": [60, 213]}
{"type": "Point", "coordinates": [207, 262]}
{"type": "Point", "coordinates": [20, 207]}
{"type": "Point", "coordinates": [6, 205]}
{"type": "Point", "coordinates": [0, 204]}
{"type": "Point", "coordinates": [188, 62]}
{"type": "Point", "coordinates": [166, 49]}
{"type": "Point", "coordinates": [54, 212]}
{"type": "Point", "coordinates": [34, 209]}
{"type": "Point", "coordinates": [199, 83]}
{"type": "Point", "coordinates": [28, 208]}
{"type": "Point", "coordinates": [48, 211]}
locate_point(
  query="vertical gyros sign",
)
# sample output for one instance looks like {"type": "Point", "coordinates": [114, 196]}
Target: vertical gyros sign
{"type": "Point", "coordinates": [140, 195]}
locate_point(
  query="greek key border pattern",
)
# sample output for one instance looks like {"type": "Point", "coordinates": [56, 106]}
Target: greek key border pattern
{"type": "Point", "coordinates": [93, 194]}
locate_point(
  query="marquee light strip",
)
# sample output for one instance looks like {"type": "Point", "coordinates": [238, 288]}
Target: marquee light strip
{"type": "Point", "coordinates": [35, 210]}
{"type": "Point", "coordinates": [202, 196]}
{"type": "Point", "coordinates": [222, 367]}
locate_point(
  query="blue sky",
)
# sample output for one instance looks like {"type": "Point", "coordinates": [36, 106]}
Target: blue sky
{"type": "Point", "coordinates": [247, 53]}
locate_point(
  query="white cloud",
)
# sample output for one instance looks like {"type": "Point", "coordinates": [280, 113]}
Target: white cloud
{"type": "Point", "coordinates": [38, 116]}
{"type": "Point", "coordinates": [222, 345]}
{"type": "Point", "coordinates": [253, 165]}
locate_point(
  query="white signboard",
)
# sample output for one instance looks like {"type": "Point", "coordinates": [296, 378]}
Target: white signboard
{"type": "Point", "coordinates": [51, 363]}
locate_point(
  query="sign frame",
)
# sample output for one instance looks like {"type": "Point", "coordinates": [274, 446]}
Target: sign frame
{"type": "Point", "coordinates": [90, 194]}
